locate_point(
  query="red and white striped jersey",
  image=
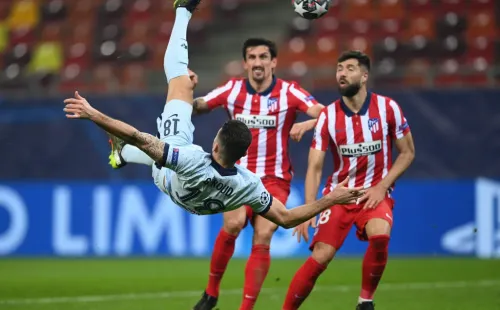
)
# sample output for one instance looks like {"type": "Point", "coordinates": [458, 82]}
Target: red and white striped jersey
{"type": "Point", "coordinates": [270, 116]}
{"type": "Point", "coordinates": [361, 143]}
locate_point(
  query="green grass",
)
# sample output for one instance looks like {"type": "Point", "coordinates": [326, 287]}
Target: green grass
{"type": "Point", "coordinates": [453, 284]}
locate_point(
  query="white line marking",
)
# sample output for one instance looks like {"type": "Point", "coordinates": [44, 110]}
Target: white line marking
{"type": "Point", "coordinates": [189, 294]}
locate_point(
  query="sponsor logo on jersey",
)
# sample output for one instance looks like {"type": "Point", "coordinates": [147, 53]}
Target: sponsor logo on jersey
{"type": "Point", "coordinates": [361, 149]}
{"type": "Point", "coordinates": [257, 121]}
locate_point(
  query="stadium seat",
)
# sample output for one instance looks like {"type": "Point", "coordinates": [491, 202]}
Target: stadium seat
{"type": "Point", "coordinates": [140, 10]}
{"type": "Point", "coordinates": [48, 57]}
{"type": "Point", "coordinates": [390, 48]}
{"type": "Point", "coordinates": [82, 11]}
{"type": "Point", "coordinates": [301, 27]}
{"type": "Point", "coordinates": [482, 5]}
{"type": "Point", "coordinates": [19, 54]}
{"type": "Point", "coordinates": [455, 6]}
{"type": "Point", "coordinates": [52, 32]}
{"type": "Point", "coordinates": [360, 43]}
{"type": "Point", "coordinates": [359, 9]}
{"type": "Point", "coordinates": [24, 14]}
{"type": "Point", "coordinates": [389, 28]}
{"type": "Point", "coordinates": [420, 6]}
{"type": "Point", "coordinates": [391, 9]}
{"type": "Point", "coordinates": [104, 78]}
{"type": "Point", "coordinates": [325, 52]}
{"type": "Point", "coordinates": [132, 78]}
{"type": "Point", "coordinates": [481, 47]}
{"type": "Point", "coordinates": [293, 53]}
{"type": "Point", "coordinates": [328, 25]}
{"type": "Point", "coordinates": [4, 9]}
{"type": "Point", "coordinates": [482, 23]}
{"type": "Point", "coordinates": [448, 74]}
{"type": "Point", "coordinates": [421, 25]}
{"type": "Point", "coordinates": [451, 47]}
{"type": "Point", "coordinates": [78, 52]}
{"type": "Point", "coordinates": [111, 10]}
{"type": "Point", "coordinates": [72, 77]}
{"type": "Point", "coordinates": [4, 37]}
{"type": "Point", "coordinates": [53, 10]}
{"type": "Point", "coordinates": [417, 72]}
{"type": "Point", "coordinates": [450, 24]}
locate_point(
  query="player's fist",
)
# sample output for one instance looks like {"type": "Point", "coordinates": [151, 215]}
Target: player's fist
{"type": "Point", "coordinates": [78, 107]}
{"type": "Point", "coordinates": [342, 195]}
{"type": "Point", "coordinates": [299, 129]}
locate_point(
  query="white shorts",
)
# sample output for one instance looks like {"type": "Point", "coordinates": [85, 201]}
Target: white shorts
{"type": "Point", "coordinates": [174, 124]}
{"type": "Point", "coordinates": [175, 128]}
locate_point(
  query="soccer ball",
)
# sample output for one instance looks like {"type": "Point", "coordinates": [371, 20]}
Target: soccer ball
{"type": "Point", "coordinates": [311, 9]}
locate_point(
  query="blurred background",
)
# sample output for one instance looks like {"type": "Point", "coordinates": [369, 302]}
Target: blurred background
{"type": "Point", "coordinates": [439, 59]}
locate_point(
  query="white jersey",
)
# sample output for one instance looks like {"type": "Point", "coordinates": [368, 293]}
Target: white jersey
{"type": "Point", "coordinates": [197, 183]}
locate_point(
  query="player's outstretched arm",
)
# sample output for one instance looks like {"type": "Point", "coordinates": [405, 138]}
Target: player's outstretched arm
{"type": "Point", "coordinates": [79, 108]}
{"type": "Point", "coordinates": [281, 216]}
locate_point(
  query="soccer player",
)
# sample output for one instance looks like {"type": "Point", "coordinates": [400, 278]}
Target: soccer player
{"type": "Point", "coordinates": [360, 129]}
{"type": "Point", "coordinates": [268, 106]}
{"type": "Point", "coordinates": [200, 182]}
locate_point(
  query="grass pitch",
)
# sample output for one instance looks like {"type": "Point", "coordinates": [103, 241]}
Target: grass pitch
{"type": "Point", "coordinates": [176, 284]}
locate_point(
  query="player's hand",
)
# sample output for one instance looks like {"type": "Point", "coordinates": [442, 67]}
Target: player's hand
{"type": "Point", "coordinates": [342, 195]}
{"type": "Point", "coordinates": [194, 77]}
{"type": "Point", "coordinates": [373, 197]}
{"type": "Point", "coordinates": [78, 107]}
{"type": "Point", "coordinates": [297, 132]}
{"type": "Point", "coordinates": [303, 229]}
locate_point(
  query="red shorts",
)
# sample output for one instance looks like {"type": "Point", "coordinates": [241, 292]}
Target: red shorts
{"type": "Point", "coordinates": [334, 224]}
{"type": "Point", "coordinates": [278, 188]}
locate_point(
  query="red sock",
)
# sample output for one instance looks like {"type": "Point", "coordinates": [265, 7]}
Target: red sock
{"type": "Point", "coordinates": [255, 274]}
{"type": "Point", "coordinates": [303, 283]}
{"type": "Point", "coordinates": [374, 265]}
{"type": "Point", "coordinates": [223, 251]}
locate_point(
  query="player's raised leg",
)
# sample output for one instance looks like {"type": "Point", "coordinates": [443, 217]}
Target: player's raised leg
{"type": "Point", "coordinates": [176, 59]}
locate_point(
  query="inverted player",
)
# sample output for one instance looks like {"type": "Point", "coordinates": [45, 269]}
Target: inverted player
{"type": "Point", "coordinates": [360, 129]}
{"type": "Point", "coordinates": [268, 106]}
{"type": "Point", "coordinates": [197, 181]}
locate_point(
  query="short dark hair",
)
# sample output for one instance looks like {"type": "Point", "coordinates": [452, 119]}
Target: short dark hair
{"type": "Point", "coordinates": [362, 58]}
{"type": "Point", "coordinates": [253, 42]}
{"type": "Point", "coordinates": [234, 138]}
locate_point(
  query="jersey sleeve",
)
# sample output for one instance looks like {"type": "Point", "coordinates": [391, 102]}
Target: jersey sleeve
{"type": "Point", "coordinates": [260, 199]}
{"type": "Point", "coordinates": [398, 125]}
{"type": "Point", "coordinates": [181, 159]}
{"type": "Point", "coordinates": [301, 98]}
{"type": "Point", "coordinates": [321, 136]}
{"type": "Point", "coordinates": [218, 97]}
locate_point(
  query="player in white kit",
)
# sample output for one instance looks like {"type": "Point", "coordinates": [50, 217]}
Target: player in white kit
{"type": "Point", "coordinates": [197, 181]}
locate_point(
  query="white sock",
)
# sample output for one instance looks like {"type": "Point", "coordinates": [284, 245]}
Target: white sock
{"type": "Point", "coordinates": [176, 56]}
{"type": "Point", "coordinates": [362, 300]}
{"type": "Point", "coordinates": [132, 154]}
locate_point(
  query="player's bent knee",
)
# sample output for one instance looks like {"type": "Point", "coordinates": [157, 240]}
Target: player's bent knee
{"type": "Point", "coordinates": [180, 88]}
{"type": "Point", "coordinates": [377, 226]}
{"type": "Point", "coordinates": [234, 222]}
{"type": "Point", "coordinates": [323, 253]}
{"type": "Point", "coordinates": [263, 234]}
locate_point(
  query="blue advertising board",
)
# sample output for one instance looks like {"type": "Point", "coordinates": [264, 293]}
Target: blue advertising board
{"type": "Point", "coordinates": [136, 219]}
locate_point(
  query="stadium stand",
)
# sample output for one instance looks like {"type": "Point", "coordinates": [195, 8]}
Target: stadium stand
{"type": "Point", "coordinates": [118, 45]}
